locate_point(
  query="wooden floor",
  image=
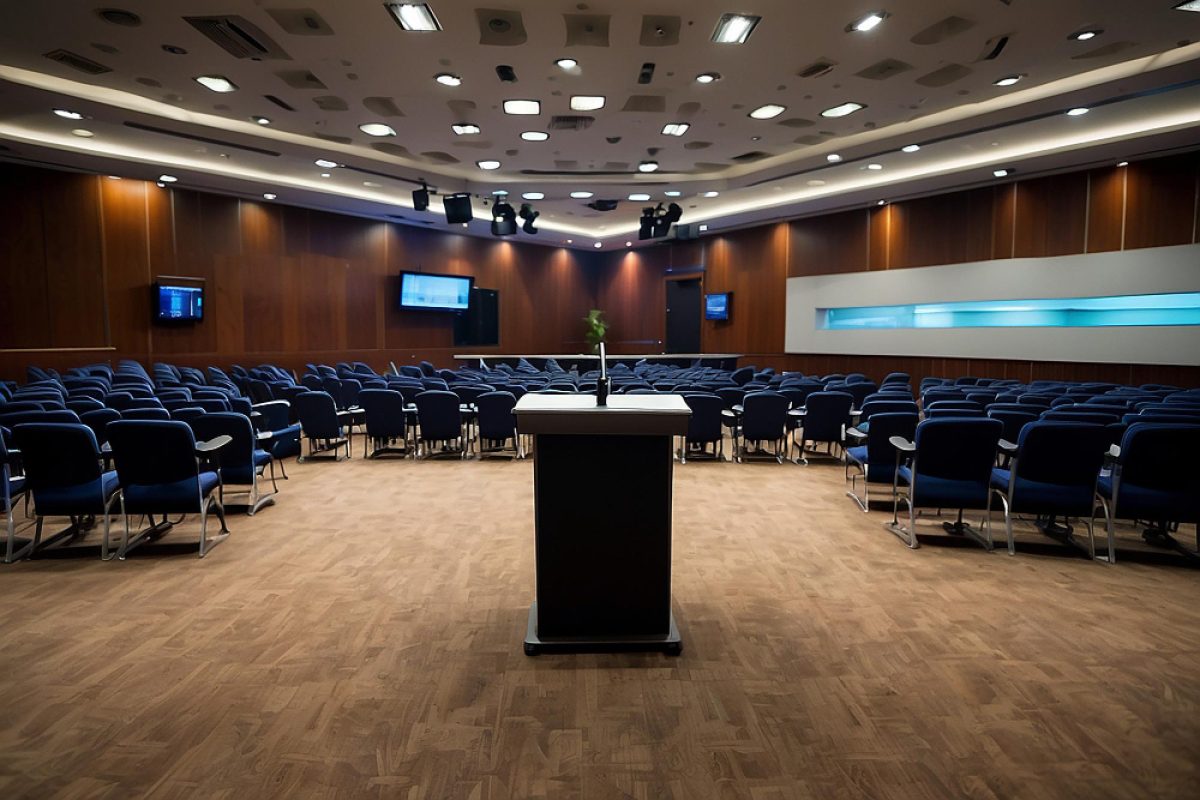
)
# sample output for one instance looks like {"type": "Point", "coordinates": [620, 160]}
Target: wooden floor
{"type": "Point", "coordinates": [363, 639]}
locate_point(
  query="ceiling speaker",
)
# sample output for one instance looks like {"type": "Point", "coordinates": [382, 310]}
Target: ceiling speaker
{"type": "Point", "coordinates": [458, 208]}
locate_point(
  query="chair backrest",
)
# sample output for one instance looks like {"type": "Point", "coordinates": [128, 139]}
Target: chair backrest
{"type": "Point", "coordinates": [384, 412]}
{"type": "Point", "coordinates": [1043, 400]}
{"type": "Point", "coordinates": [98, 421]}
{"type": "Point", "coordinates": [1071, 415]}
{"type": "Point", "coordinates": [240, 451]}
{"type": "Point", "coordinates": [187, 414]}
{"type": "Point", "coordinates": [439, 415]}
{"type": "Point", "coordinates": [146, 413]}
{"type": "Point", "coordinates": [764, 416]}
{"type": "Point", "coordinates": [153, 452]}
{"type": "Point", "coordinates": [1062, 453]}
{"type": "Point", "coordinates": [731, 395]}
{"type": "Point", "coordinates": [880, 452]}
{"type": "Point", "coordinates": [1013, 422]}
{"type": "Point", "coordinates": [826, 414]}
{"type": "Point", "coordinates": [860, 390]}
{"type": "Point", "coordinates": [318, 415]}
{"type": "Point", "coordinates": [1162, 457]}
{"type": "Point", "coordinates": [958, 449]}
{"type": "Point", "coordinates": [967, 405]}
{"type": "Point", "coordinates": [496, 419]}
{"type": "Point", "coordinates": [873, 407]}
{"type": "Point", "coordinates": [57, 455]}
{"type": "Point", "coordinates": [705, 422]}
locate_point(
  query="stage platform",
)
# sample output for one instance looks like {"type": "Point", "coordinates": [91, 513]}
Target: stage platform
{"type": "Point", "coordinates": [583, 361]}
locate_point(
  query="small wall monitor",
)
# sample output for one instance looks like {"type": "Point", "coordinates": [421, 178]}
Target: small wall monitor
{"type": "Point", "coordinates": [716, 306]}
{"type": "Point", "coordinates": [178, 302]}
{"type": "Point", "coordinates": [426, 291]}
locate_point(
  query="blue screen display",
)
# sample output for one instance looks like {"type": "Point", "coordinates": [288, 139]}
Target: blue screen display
{"type": "Point", "coordinates": [181, 303]}
{"type": "Point", "coordinates": [1064, 312]}
{"type": "Point", "coordinates": [716, 306]}
{"type": "Point", "coordinates": [436, 292]}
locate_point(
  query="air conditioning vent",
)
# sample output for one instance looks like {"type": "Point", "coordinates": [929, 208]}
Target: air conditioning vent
{"type": "Point", "coordinates": [272, 98]}
{"type": "Point", "coordinates": [994, 48]}
{"type": "Point", "coordinates": [753, 155]}
{"type": "Point", "coordinates": [817, 69]}
{"type": "Point", "coordinates": [571, 122]}
{"type": "Point", "coordinates": [239, 37]}
{"type": "Point", "coordinates": [76, 61]}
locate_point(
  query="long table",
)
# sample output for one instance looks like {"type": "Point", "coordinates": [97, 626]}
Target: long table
{"type": "Point", "coordinates": [584, 361]}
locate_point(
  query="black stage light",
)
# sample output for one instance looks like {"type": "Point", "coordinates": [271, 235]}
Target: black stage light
{"type": "Point", "coordinates": [674, 212]}
{"type": "Point", "coordinates": [530, 216]}
{"type": "Point", "coordinates": [458, 208]}
{"type": "Point", "coordinates": [646, 224]}
{"type": "Point", "coordinates": [421, 198]}
{"type": "Point", "coordinates": [504, 219]}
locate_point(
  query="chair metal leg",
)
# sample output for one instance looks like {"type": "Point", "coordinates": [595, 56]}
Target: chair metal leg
{"type": "Point", "coordinates": [104, 547]}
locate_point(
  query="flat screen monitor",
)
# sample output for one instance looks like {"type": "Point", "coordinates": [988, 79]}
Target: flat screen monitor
{"type": "Point", "coordinates": [178, 303]}
{"type": "Point", "coordinates": [429, 292]}
{"type": "Point", "coordinates": [716, 306]}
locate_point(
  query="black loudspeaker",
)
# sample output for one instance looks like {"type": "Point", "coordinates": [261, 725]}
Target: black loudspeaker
{"type": "Point", "coordinates": [689, 231]}
{"type": "Point", "coordinates": [458, 208]}
{"type": "Point", "coordinates": [421, 199]}
{"type": "Point", "coordinates": [480, 323]}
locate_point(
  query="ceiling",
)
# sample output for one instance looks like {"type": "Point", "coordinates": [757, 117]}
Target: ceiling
{"type": "Point", "coordinates": [319, 69]}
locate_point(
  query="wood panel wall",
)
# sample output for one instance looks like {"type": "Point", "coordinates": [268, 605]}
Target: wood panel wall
{"type": "Point", "coordinates": [290, 286]}
{"type": "Point", "coordinates": [283, 284]}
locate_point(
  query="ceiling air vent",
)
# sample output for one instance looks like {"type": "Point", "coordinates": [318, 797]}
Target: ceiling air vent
{"type": "Point", "coordinates": [500, 28]}
{"type": "Point", "coordinates": [883, 70]}
{"type": "Point", "coordinates": [647, 73]}
{"type": "Point", "coordinates": [239, 37]}
{"type": "Point", "coordinates": [939, 32]}
{"type": "Point", "coordinates": [646, 103]}
{"type": "Point", "coordinates": [272, 98]}
{"type": "Point", "coordinates": [586, 30]}
{"type": "Point", "coordinates": [818, 68]}
{"type": "Point", "coordinates": [753, 155]}
{"type": "Point", "coordinates": [994, 47]}
{"type": "Point", "coordinates": [301, 21]}
{"type": "Point", "coordinates": [76, 61]}
{"type": "Point", "coordinates": [659, 31]}
{"type": "Point", "coordinates": [571, 122]}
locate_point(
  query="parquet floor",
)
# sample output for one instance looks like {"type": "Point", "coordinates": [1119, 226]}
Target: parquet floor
{"type": "Point", "coordinates": [363, 639]}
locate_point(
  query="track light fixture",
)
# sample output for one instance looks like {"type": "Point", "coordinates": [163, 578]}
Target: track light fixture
{"type": "Point", "coordinates": [421, 198]}
{"type": "Point", "coordinates": [656, 221]}
{"type": "Point", "coordinates": [529, 216]}
{"type": "Point", "coordinates": [504, 219]}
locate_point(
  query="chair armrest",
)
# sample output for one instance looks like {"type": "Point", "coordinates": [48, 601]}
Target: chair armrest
{"type": "Point", "coordinates": [1114, 451]}
{"type": "Point", "coordinates": [213, 444]}
{"type": "Point", "coordinates": [1008, 446]}
{"type": "Point", "coordinates": [262, 435]}
{"type": "Point", "coordinates": [900, 443]}
{"type": "Point", "coordinates": [738, 408]}
{"type": "Point", "coordinates": [797, 412]}
{"type": "Point", "coordinates": [855, 433]}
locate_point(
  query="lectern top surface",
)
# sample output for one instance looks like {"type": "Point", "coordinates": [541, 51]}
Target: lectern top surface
{"type": "Point", "coordinates": [617, 404]}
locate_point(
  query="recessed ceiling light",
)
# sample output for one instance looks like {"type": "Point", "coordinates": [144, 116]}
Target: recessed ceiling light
{"type": "Point", "coordinates": [833, 158]}
{"type": "Point", "coordinates": [648, 166]}
{"type": "Point", "coordinates": [675, 128]}
{"type": "Point", "coordinates": [587, 102]}
{"type": "Point", "coordinates": [1008, 80]}
{"type": "Point", "coordinates": [734, 28]}
{"type": "Point", "coordinates": [869, 22]}
{"type": "Point", "coordinates": [710, 194]}
{"type": "Point", "coordinates": [769, 111]}
{"type": "Point", "coordinates": [535, 136]}
{"type": "Point", "coordinates": [1188, 5]}
{"type": "Point", "coordinates": [66, 114]}
{"type": "Point", "coordinates": [567, 63]}
{"type": "Point", "coordinates": [376, 129]}
{"type": "Point", "coordinates": [910, 148]}
{"type": "Point", "coordinates": [570, 241]}
{"type": "Point", "coordinates": [1085, 35]}
{"type": "Point", "coordinates": [639, 197]}
{"type": "Point", "coordinates": [326, 174]}
{"type": "Point", "coordinates": [465, 129]}
{"type": "Point", "coordinates": [629, 244]}
{"type": "Point", "coordinates": [874, 167]}
{"type": "Point", "coordinates": [703, 227]}
{"type": "Point", "coordinates": [372, 184]}
{"type": "Point", "coordinates": [597, 244]}
{"type": "Point", "coordinates": [581, 195]}
{"type": "Point", "coordinates": [414, 16]}
{"type": "Point", "coordinates": [1126, 163]}
{"type": "Point", "coordinates": [708, 77]}
{"type": "Point", "coordinates": [83, 133]}
{"type": "Point", "coordinates": [217, 83]}
{"type": "Point", "coordinates": [843, 110]}
{"type": "Point", "coordinates": [501, 193]}
{"type": "Point", "coordinates": [816, 182]}
{"type": "Point", "coordinates": [1000, 173]}
{"type": "Point", "coordinates": [167, 179]}
{"type": "Point", "coordinates": [534, 196]}
{"type": "Point", "coordinates": [1078, 112]}
{"type": "Point", "coordinates": [448, 79]}
{"type": "Point", "coordinates": [672, 193]}
{"type": "Point", "coordinates": [325, 163]}
{"type": "Point", "coordinates": [522, 107]}
{"type": "Point", "coordinates": [488, 164]}
{"type": "Point", "coordinates": [465, 225]}
{"type": "Point", "coordinates": [882, 203]}
{"type": "Point", "coordinates": [114, 177]}
{"type": "Point", "coordinates": [269, 196]}
{"type": "Point", "coordinates": [261, 120]}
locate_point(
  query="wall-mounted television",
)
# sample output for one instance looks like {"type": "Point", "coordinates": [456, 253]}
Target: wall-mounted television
{"type": "Point", "coordinates": [716, 306]}
{"type": "Point", "coordinates": [431, 292]}
{"type": "Point", "coordinates": [178, 302]}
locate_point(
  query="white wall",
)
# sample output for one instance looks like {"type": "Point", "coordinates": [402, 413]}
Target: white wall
{"type": "Point", "coordinates": [1144, 271]}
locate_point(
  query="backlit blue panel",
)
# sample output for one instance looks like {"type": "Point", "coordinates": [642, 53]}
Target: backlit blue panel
{"type": "Point", "coordinates": [1065, 312]}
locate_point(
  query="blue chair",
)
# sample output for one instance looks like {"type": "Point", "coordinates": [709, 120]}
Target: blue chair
{"type": "Point", "coordinates": [279, 434]}
{"type": "Point", "coordinates": [1155, 477]}
{"type": "Point", "coordinates": [1013, 421]}
{"type": "Point", "coordinates": [497, 424]}
{"type": "Point", "coordinates": [159, 466]}
{"type": "Point", "coordinates": [875, 461]}
{"type": "Point", "coordinates": [64, 478]}
{"type": "Point", "coordinates": [824, 419]}
{"type": "Point", "coordinates": [242, 461]}
{"type": "Point", "coordinates": [1052, 472]}
{"type": "Point", "coordinates": [98, 422]}
{"type": "Point", "coordinates": [949, 466]}
{"type": "Point", "coordinates": [764, 419]}
{"type": "Point", "coordinates": [322, 426]}
{"type": "Point", "coordinates": [440, 422]}
{"type": "Point", "coordinates": [145, 413]}
{"type": "Point", "coordinates": [383, 410]}
{"type": "Point", "coordinates": [704, 428]}
{"type": "Point", "coordinates": [10, 489]}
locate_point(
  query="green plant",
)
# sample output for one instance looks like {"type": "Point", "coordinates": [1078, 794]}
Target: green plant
{"type": "Point", "coordinates": [596, 328]}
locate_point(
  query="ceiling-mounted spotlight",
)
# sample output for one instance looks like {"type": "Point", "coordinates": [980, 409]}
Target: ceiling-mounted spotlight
{"type": "Point", "coordinates": [414, 16]}
{"type": "Point", "coordinates": [465, 129]}
{"type": "Point", "coordinates": [769, 111]}
{"type": "Point", "coordinates": [734, 28]}
{"type": "Point", "coordinates": [567, 63]}
{"type": "Point", "coordinates": [842, 110]}
{"type": "Point", "coordinates": [325, 163]}
{"type": "Point", "coordinates": [535, 136]}
{"type": "Point", "coordinates": [639, 197]}
{"type": "Point", "coordinates": [217, 83]}
{"type": "Point", "coordinates": [261, 120]}
{"type": "Point", "coordinates": [708, 77]}
{"type": "Point", "coordinates": [867, 23]}
{"type": "Point", "coordinates": [1086, 34]}
{"type": "Point", "coordinates": [675, 128]}
{"type": "Point", "coordinates": [656, 222]}
{"type": "Point", "coordinates": [448, 79]}
{"type": "Point", "coordinates": [377, 129]}
{"type": "Point", "coordinates": [1007, 80]}
{"type": "Point", "coordinates": [504, 219]}
{"type": "Point", "coordinates": [587, 102]}
{"type": "Point", "coordinates": [910, 148]}
{"type": "Point", "coordinates": [672, 193]}
{"type": "Point", "coordinates": [167, 179]}
{"type": "Point", "coordinates": [529, 216]}
{"type": "Point", "coordinates": [269, 196]}
{"type": "Point", "coordinates": [1078, 112]}
{"type": "Point", "coordinates": [522, 107]}
{"type": "Point", "coordinates": [581, 195]}
{"type": "Point", "coordinates": [67, 113]}
{"type": "Point", "coordinates": [833, 158]}
{"type": "Point", "coordinates": [1001, 173]}
{"type": "Point", "coordinates": [534, 196]}
{"type": "Point", "coordinates": [488, 164]}
{"type": "Point", "coordinates": [646, 224]}
{"type": "Point", "coordinates": [648, 166]}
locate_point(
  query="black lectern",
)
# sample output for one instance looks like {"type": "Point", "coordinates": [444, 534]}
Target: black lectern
{"type": "Point", "coordinates": [602, 513]}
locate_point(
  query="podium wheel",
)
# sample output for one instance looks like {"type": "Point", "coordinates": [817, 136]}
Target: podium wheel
{"type": "Point", "coordinates": [673, 649]}
{"type": "Point", "coordinates": [532, 649]}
